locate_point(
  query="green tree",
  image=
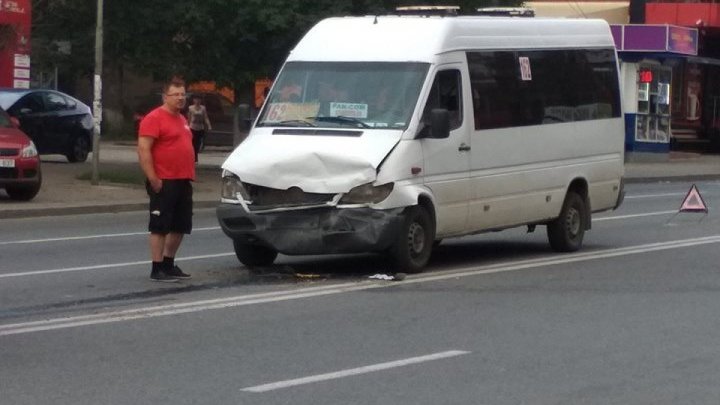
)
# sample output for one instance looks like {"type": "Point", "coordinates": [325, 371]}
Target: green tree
{"type": "Point", "coordinates": [229, 41]}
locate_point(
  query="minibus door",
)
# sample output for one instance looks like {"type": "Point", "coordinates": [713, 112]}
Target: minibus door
{"type": "Point", "coordinates": [447, 160]}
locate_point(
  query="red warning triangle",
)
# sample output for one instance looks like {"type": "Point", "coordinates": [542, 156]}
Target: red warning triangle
{"type": "Point", "coordinates": [693, 202]}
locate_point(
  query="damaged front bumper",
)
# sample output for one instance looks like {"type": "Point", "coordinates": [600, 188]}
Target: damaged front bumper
{"type": "Point", "coordinates": [323, 230]}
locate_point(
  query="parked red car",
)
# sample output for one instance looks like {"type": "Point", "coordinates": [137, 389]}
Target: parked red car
{"type": "Point", "coordinates": [20, 173]}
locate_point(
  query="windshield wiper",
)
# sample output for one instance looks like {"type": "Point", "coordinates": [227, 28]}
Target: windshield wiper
{"type": "Point", "coordinates": [341, 119]}
{"type": "Point", "coordinates": [289, 123]}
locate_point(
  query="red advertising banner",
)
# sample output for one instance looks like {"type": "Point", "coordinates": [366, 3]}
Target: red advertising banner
{"type": "Point", "coordinates": [15, 22]}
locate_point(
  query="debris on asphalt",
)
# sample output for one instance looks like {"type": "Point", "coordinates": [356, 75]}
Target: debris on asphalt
{"type": "Point", "coordinates": [389, 277]}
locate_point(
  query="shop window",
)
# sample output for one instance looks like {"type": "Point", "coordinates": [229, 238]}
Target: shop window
{"type": "Point", "coordinates": [654, 101]}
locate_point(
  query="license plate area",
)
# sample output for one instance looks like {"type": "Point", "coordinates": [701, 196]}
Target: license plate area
{"type": "Point", "coordinates": [7, 163]}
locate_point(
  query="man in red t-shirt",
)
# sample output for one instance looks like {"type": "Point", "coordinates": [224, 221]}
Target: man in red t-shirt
{"type": "Point", "coordinates": [167, 158]}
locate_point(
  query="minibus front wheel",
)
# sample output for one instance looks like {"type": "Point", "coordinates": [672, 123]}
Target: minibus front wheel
{"type": "Point", "coordinates": [254, 255]}
{"type": "Point", "coordinates": [414, 243]}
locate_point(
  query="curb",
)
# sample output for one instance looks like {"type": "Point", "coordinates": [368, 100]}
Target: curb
{"type": "Point", "coordinates": [671, 179]}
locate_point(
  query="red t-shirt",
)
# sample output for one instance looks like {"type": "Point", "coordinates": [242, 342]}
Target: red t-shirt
{"type": "Point", "coordinates": [172, 151]}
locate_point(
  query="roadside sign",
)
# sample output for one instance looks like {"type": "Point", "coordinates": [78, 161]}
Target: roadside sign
{"type": "Point", "coordinates": [693, 201]}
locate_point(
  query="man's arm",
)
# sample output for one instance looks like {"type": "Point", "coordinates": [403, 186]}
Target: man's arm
{"type": "Point", "coordinates": [144, 150]}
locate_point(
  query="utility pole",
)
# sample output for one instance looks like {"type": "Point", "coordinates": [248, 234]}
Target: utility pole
{"type": "Point", "coordinates": [97, 90]}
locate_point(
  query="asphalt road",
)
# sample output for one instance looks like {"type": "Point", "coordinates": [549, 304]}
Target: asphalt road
{"type": "Point", "coordinates": [496, 318]}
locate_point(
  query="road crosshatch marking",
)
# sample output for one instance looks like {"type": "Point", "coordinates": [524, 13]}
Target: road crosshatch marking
{"type": "Point", "coordinates": [310, 292]}
{"type": "Point", "coordinates": [354, 371]}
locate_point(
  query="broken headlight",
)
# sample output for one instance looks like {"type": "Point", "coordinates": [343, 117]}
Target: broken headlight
{"type": "Point", "coordinates": [367, 193]}
{"type": "Point", "coordinates": [232, 188]}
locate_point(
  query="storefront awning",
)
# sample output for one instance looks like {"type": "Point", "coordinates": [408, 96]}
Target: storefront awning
{"type": "Point", "coordinates": [655, 38]}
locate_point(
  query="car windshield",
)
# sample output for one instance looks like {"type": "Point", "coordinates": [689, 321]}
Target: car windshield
{"type": "Point", "coordinates": [8, 98]}
{"type": "Point", "coordinates": [344, 94]}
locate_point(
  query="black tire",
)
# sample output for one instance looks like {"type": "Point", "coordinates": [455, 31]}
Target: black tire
{"type": "Point", "coordinates": [254, 255]}
{"type": "Point", "coordinates": [414, 243]}
{"type": "Point", "coordinates": [566, 232]}
{"type": "Point", "coordinates": [78, 149]}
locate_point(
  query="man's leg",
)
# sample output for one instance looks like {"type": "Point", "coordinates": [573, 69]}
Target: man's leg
{"type": "Point", "coordinates": [157, 245]}
{"type": "Point", "coordinates": [172, 244]}
{"type": "Point", "coordinates": [181, 224]}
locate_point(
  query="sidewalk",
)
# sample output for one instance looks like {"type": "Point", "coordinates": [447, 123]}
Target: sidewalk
{"type": "Point", "coordinates": [62, 193]}
{"type": "Point", "coordinates": [680, 166]}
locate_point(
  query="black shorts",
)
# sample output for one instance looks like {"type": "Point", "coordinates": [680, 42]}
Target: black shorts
{"type": "Point", "coordinates": [171, 208]}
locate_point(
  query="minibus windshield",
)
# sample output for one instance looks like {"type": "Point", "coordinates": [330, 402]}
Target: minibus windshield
{"type": "Point", "coordinates": [344, 95]}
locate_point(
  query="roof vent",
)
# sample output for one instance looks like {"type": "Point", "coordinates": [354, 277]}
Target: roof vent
{"type": "Point", "coordinates": [506, 11]}
{"type": "Point", "coordinates": [428, 10]}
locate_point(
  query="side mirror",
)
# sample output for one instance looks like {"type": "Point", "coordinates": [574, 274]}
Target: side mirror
{"type": "Point", "coordinates": [15, 122]}
{"type": "Point", "coordinates": [439, 123]}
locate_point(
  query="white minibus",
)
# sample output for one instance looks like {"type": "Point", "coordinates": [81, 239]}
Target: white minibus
{"type": "Point", "coordinates": [390, 133]}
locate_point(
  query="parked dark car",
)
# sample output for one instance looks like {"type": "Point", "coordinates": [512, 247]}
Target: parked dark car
{"type": "Point", "coordinates": [20, 173]}
{"type": "Point", "coordinates": [56, 122]}
{"type": "Point", "coordinates": [220, 111]}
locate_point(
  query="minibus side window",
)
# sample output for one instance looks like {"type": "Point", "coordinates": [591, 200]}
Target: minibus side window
{"type": "Point", "coordinates": [542, 87]}
{"type": "Point", "coordinates": [446, 92]}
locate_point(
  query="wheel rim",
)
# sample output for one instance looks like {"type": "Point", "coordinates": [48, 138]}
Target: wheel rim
{"type": "Point", "coordinates": [573, 222]}
{"type": "Point", "coordinates": [416, 239]}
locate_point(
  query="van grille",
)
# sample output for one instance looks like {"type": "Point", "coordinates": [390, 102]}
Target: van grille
{"type": "Point", "coordinates": [267, 198]}
{"type": "Point", "coordinates": [8, 152]}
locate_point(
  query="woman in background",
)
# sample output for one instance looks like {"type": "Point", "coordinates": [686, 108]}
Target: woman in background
{"type": "Point", "coordinates": [199, 123]}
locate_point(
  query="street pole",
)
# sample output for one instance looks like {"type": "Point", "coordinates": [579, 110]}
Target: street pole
{"type": "Point", "coordinates": [97, 90]}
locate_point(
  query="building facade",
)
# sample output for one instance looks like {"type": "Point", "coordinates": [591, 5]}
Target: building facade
{"type": "Point", "coordinates": [15, 25]}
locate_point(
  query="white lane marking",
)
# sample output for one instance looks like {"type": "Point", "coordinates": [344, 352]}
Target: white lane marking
{"type": "Point", "coordinates": [100, 236]}
{"type": "Point", "coordinates": [107, 266]}
{"type": "Point", "coordinates": [633, 197]}
{"type": "Point", "coordinates": [139, 263]}
{"type": "Point", "coordinates": [646, 214]}
{"type": "Point", "coordinates": [355, 371]}
{"type": "Point", "coordinates": [277, 296]}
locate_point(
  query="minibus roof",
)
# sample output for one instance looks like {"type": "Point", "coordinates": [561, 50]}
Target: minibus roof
{"type": "Point", "coordinates": [421, 38]}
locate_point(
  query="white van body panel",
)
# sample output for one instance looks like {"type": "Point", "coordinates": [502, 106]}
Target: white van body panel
{"type": "Point", "coordinates": [524, 173]}
{"type": "Point", "coordinates": [414, 38]}
{"type": "Point", "coordinates": [316, 164]}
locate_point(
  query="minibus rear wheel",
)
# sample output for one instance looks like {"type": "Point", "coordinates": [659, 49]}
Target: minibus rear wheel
{"type": "Point", "coordinates": [566, 232]}
{"type": "Point", "coordinates": [413, 246]}
{"type": "Point", "coordinates": [254, 255]}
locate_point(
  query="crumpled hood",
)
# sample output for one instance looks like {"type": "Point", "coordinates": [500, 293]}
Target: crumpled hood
{"type": "Point", "coordinates": [314, 163]}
